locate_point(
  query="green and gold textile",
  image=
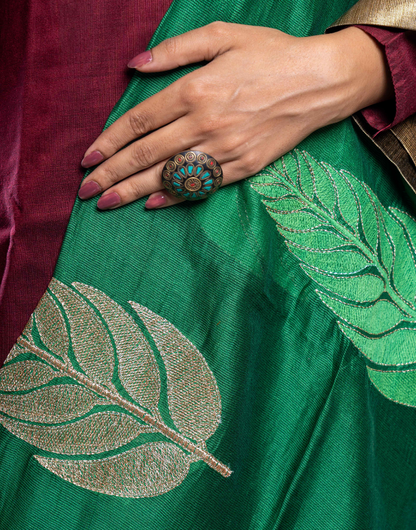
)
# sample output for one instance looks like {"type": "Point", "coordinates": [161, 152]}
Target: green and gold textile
{"type": "Point", "coordinates": [243, 363]}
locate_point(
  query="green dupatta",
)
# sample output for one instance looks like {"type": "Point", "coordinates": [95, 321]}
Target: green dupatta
{"type": "Point", "coordinates": [244, 363]}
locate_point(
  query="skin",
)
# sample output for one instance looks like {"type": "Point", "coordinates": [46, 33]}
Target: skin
{"type": "Point", "coordinates": [260, 94]}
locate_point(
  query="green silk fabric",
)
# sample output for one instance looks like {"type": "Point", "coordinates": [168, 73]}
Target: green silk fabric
{"type": "Point", "coordinates": [276, 320]}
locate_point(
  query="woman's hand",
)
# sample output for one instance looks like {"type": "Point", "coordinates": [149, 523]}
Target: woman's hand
{"type": "Point", "coordinates": [260, 94]}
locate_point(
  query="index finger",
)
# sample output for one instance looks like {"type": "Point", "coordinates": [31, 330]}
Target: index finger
{"type": "Point", "coordinates": [153, 113]}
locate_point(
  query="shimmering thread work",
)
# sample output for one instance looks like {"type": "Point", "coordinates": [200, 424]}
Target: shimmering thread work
{"type": "Point", "coordinates": [51, 326]}
{"type": "Point", "coordinates": [193, 395]}
{"type": "Point", "coordinates": [99, 432]}
{"type": "Point", "coordinates": [363, 255]}
{"type": "Point", "coordinates": [90, 340]}
{"type": "Point", "coordinates": [25, 375]}
{"type": "Point", "coordinates": [146, 471]}
{"type": "Point", "coordinates": [51, 404]}
{"type": "Point", "coordinates": [137, 370]}
{"type": "Point", "coordinates": [149, 469]}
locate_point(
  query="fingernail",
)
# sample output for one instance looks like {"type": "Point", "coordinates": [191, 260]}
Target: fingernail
{"type": "Point", "coordinates": [88, 190]}
{"type": "Point", "coordinates": [155, 201]}
{"type": "Point", "coordinates": [93, 158]}
{"type": "Point", "coordinates": [109, 201]}
{"type": "Point", "coordinates": [140, 60]}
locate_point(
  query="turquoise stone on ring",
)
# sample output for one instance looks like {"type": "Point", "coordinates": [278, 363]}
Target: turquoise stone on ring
{"type": "Point", "coordinates": [193, 175]}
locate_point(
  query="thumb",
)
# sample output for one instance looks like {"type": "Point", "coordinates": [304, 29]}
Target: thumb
{"type": "Point", "coordinates": [202, 44]}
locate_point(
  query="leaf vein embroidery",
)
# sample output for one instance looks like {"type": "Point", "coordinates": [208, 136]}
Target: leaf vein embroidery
{"type": "Point", "coordinates": [370, 282]}
{"type": "Point", "coordinates": [63, 417]}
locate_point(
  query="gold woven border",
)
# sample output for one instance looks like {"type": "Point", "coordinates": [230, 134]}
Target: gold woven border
{"type": "Point", "coordinates": [391, 13]}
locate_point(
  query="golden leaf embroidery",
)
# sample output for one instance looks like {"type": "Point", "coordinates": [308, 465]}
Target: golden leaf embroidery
{"type": "Point", "coordinates": [193, 395]}
{"type": "Point", "coordinates": [51, 326]}
{"type": "Point", "coordinates": [27, 332]}
{"type": "Point", "coordinates": [145, 471]}
{"type": "Point", "coordinates": [25, 375]}
{"type": "Point", "coordinates": [15, 352]}
{"type": "Point", "coordinates": [89, 414]}
{"type": "Point", "coordinates": [90, 341]}
{"type": "Point", "coordinates": [137, 368]}
{"type": "Point", "coordinates": [99, 432]}
{"type": "Point", "coordinates": [50, 404]}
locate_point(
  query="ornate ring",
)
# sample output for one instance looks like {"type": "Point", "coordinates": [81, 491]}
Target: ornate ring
{"type": "Point", "coordinates": [193, 175]}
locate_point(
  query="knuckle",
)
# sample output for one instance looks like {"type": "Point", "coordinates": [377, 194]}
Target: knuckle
{"type": "Point", "coordinates": [195, 91]}
{"type": "Point", "coordinates": [109, 175]}
{"type": "Point", "coordinates": [251, 164]}
{"type": "Point", "coordinates": [210, 124]}
{"type": "Point", "coordinates": [221, 125]}
{"type": "Point", "coordinates": [139, 122]}
{"type": "Point", "coordinates": [231, 145]}
{"type": "Point", "coordinates": [136, 189]}
{"type": "Point", "coordinates": [170, 46]}
{"type": "Point", "coordinates": [218, 28]}
{"type": "Point", "coordinates": [143, 154]}
{"type": "Point", "coordinates": [112, 140]}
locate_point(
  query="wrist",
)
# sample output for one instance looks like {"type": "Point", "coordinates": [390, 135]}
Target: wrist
{"type": "Point", "coordinates": [361, 68]}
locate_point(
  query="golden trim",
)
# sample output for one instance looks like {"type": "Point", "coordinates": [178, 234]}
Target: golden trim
{"type": "Point", "coordinates": [390, 13]}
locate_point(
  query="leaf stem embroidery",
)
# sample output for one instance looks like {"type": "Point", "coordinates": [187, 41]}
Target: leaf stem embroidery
{"type": "Point", "coordinates": [172, 435]}
{"type": "Point", "coordinates": [362, 255]}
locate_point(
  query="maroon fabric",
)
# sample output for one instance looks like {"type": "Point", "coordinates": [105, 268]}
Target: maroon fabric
{"type": "Point", "coordinates": [400, 50]}
{"type": "Point", "coordinates": [63, 67]}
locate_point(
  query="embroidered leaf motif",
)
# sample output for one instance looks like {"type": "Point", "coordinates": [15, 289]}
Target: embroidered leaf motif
{"type": "Point", "coordinates": [386, 246]}
{"type": "Point", "coordinates": [99, 432]}
{"type": "Point", "coordinates": [363, 255]}
{"type": "Point", "coordinates": [314, 238]}
{"type": "Point", "coordinates": [27, 332]}
{"type": "Point", "coordinates": [325, 192]}
{"type": "Point", "coordinates": [362, 288]}
{"type": "Point", "coordinates": [308, 220]}
{"type": "Point", "coordinates": [368, 215]}
{"type": "Point", "coordinates": [69, 402]}
{"type": "Point", "coordinates": [51, 326]}
{"type": "Point", "coordinates": [396, 347]}
{"type": "Point", "coordinates": [305, 178]}
{"type": "Point", "coordinates": [146, 471]}
{"type": "Point", "coordinates": [77, 416]}
{"type": "Point", "coordinates": [15, 352]}
{"type": "Point", "coordinates": [404, 269]}
{"type": "Point", "coordinates": [345, 199]}
{"type": "Point", "coordinates": [287, 203]}
{"type": "Point", "coordinates": [339, 261]}
{"type": "Point", "coordinates": [193, 395]}
{"type": "Point", "coordinates": [406, 222]}
{"type": "Point", "coordinates": [90, 340]}
{"type": "Point", "coordinates": [397, 386]}
{"type": "Point", "coordinates": [378, 317]}
{"type": "Point", "coordinates": [137, 367]}
{"type": "Point", "coordinates": [25, 375]}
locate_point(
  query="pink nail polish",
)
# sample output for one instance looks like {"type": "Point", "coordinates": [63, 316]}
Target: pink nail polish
{"type": "Point", "coordinates": [140, 60]}
{"type": "Point", "coordinates": [109, 201]}
{"type": "Point", "coordinates": [92, 159]}
{"type": "Point", "coordinates": [88, 190]}
{"type": "Point", "coordinates": [156, 201]}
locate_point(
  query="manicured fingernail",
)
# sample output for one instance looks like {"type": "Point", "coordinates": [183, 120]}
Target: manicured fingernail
{"type": "Point", "coordinates": [93, 158]}
{"type": "Point", "coordinates": [88, 190]}
{"type": "Point", "coordinates": [140, 60]}
{"type": "Point", "coordinates": [109, 201]}
{"type": "Point", "coordinates": [155, 201]}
